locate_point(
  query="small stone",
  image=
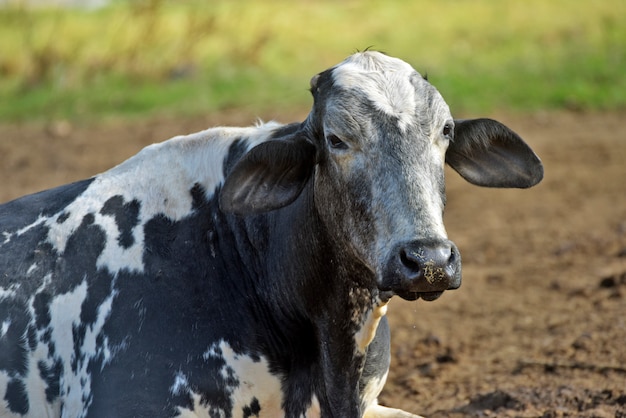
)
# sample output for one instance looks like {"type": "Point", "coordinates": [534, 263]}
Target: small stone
{"type": "Point", "coordinates": [608, 282]}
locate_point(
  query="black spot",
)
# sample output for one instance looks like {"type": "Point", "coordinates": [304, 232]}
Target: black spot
{"type": "Point", "coordinates": [126, 217]}
{"type": "Point", "coordinates": [16, 397]}
{"type": "Point", "coordinates": [236, 150]}
{"type": "Point", "coordinates": [52, 376]}
{"type": "Point", "coordinates": [81, 254]}
{"type": "Point", "coordinates": [63, 217]}
{"type": "Point", "coordinates": [42, 309]}
{"type": "Point", "coordinates": [160, 248]}
{"type": "Point", "coordinates": [46, 336]}
{"type": "Point", "coordinates": [198, 196]}
{"type": "Point", "coordinates": [99, 290]}
{"type": "Point", "coordinates": [252, 410]}
{"type": "Point", "coordinates": [12, 346]}
{"type": "Point", "coordinates": [78, 336]}
{"type": "Point", "coordinates": [32, 338]}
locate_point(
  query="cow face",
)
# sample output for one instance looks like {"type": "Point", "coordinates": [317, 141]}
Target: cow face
{"type": "Point", "coordinates": [382, 132]}
{"type": "Point", "coordinates": [373, 151]}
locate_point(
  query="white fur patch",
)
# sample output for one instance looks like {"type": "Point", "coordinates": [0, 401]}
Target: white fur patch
{"type": "Point", "coordinates": [384, 80]}
{"type": "Point", "coordinates": [181, 384]}
{"type": "Point", "coordinates": [4, 327]}
{"type": "Point", "coordinates": [369, 325]}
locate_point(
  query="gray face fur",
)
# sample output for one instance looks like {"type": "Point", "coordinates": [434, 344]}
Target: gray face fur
{"type": "Point", "coordinates": [380, 177]}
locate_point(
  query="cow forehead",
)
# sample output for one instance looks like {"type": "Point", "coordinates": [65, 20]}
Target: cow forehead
{"type": "Point", "coordinates": [392, 86]}
{"type": "Point", "coordinates": [372, 61]}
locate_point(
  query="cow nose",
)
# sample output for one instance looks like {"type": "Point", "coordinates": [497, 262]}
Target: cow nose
{"type": "Point", "coordinates": [424, 268]}
{"type": "Point", "coordinates": [431, 263]}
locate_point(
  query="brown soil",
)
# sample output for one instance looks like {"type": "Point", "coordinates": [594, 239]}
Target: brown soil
{"type": "Point", "coordinates": [538, 328]}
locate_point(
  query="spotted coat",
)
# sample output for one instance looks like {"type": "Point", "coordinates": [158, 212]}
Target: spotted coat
{"type": "Point", "coordinates": [243, 272]}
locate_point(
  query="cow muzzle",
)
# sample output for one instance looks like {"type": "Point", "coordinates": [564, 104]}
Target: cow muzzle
{"type": "Point", "coordinates": [422, 269]}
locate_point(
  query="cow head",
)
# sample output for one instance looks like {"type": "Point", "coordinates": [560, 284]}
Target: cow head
{"type": "Point", "coordinates": [373, 150]}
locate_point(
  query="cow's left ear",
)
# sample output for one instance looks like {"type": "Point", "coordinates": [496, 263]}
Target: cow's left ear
{"type": "Point", "coordinates": [487, 153]}
{"type": "Point", "coordinates": [270, 176]}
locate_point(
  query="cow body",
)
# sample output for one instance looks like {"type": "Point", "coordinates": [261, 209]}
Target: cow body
{"type": "Point", "coordinates": [243, 272]}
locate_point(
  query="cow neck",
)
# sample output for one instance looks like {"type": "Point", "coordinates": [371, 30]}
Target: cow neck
{"type": "Point", "coordinates": [322, 276]}
{"type": "Point", "coordinates": [300, 272]}
{"type": "Point", "coordinates": [304, 258]}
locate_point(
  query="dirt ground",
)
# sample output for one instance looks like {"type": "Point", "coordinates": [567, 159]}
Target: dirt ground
{"type": "Point", "coordinates": [538, 328]}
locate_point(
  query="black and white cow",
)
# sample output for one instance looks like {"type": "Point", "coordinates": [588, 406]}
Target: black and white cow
{"type": "Point", "coordinates": [244, 272]}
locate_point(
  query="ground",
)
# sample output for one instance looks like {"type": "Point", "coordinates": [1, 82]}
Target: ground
{"type": "Point", "coordinates": [538, 328]}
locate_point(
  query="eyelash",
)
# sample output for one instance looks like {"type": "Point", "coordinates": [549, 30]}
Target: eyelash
{"type": "Point", "coordinates": [335, 142]}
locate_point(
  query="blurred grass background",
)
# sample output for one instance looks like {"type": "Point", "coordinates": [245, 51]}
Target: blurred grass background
{"type": "Point", "coordinates": [152, 57]}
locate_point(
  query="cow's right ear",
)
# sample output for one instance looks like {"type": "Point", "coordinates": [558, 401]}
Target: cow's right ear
{"type": "Point", "coordinates": [270, 176]}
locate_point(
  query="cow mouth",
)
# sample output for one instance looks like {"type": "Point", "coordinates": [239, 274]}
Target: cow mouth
{"type": "Point", "coordinates": [427, 296]}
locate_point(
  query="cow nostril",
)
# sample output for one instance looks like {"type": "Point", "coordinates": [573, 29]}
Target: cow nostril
{"type": "Point", "coordinates": [409, 261]}
{"type": "Point", "coordinates": [452, 257]}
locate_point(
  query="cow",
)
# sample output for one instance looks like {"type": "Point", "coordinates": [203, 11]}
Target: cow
{"type": "Point", "coordinates": [244, 272]}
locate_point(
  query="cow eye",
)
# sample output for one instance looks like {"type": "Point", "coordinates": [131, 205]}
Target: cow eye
{"type": "Point", "coordinates": [447, 130]}
{"type": "Point", "coordinates": [335, 142]}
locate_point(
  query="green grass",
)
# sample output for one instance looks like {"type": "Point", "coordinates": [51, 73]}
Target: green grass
{"type": "Point", "coordinates": [191, 57]}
